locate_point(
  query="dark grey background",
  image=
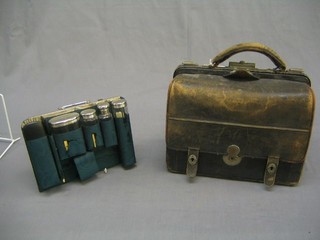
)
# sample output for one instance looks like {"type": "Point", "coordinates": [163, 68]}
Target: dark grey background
{"type": "Point", "coordinates": [59, 52]}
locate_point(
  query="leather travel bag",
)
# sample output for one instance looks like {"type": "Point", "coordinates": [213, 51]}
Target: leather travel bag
{"type": "Point", "coordinates": [239, 122]}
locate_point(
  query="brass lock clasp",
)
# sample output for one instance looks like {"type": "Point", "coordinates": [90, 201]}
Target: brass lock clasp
{"type": "Point", "coordinates": [232, 158]}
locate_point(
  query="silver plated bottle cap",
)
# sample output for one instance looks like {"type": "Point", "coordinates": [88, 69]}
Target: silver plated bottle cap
{"type": "Point", "coordinates": [119, 103]}
{"type": "Point", "coordinates": [64, 120]}
{"type": "Point", "coordinates": [104, 108]}
{"type": "Point", "coordinates": [89, 115]}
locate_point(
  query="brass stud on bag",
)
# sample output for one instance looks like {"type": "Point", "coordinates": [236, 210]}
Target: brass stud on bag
{"type": "Point", "coordinates": [232, 158]}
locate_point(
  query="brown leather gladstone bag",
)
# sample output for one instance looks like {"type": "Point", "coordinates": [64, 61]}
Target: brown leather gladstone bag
{"type": "Point", "coordinates": [239, 122]}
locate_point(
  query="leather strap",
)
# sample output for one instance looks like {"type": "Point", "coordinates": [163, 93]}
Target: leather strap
{"type": "Point", "coordinates": [249, 47]}
{"type": "Point", "coordinates": [271, 171]}
{"type": "Point", "coordinates": [192, 162]}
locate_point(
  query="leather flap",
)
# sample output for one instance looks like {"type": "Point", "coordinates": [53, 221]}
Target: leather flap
{"type": "Point", "coordinates": [86, 165]}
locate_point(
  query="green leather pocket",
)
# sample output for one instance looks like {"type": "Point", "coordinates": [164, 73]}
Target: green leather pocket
{"type": "Point", "coordinates": [109, 132]}
{"type": "Point", "coordinates": [86, 165]}
{"type": "Point", "coordinates": [70, 144]}
{"type": "Point", "coordinates": [93, 137]}
{"type": "Point", "coordinates": [43, 163]}
{"type": "Point", "coordinates": [107, 157]}
{"type": "Point", "coordinates": [126, 147]}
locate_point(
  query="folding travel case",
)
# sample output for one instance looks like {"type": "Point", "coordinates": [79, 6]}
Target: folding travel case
{"type": "Point", "coordinates": [79, 140]}
{"type": "Point", "coordinates": [239, 122]}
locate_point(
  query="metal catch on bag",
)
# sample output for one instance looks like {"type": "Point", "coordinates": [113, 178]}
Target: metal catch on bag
{"type": "Point", "coordinates": [232, 158]}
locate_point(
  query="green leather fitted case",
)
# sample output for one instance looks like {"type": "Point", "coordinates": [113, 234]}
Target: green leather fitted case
{"type": "Point", "coordinates": [60, 156]}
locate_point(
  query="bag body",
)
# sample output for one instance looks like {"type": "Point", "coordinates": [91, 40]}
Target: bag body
{"type": "Point", "coordinates": [239, 122]}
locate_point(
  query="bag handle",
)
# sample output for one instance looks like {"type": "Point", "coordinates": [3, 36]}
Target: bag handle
{"type": "Point", "coordinates": [73, 105]}
{"type": "Point", "coordinates": [249, 47]}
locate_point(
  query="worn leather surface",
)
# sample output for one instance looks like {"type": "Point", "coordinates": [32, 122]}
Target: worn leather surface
{"type": "Point", "coordinates": [249, 169]}
{"type": "Point", "coordinates": [251, 47]}
{"type": "Point", "coordinates": [263, 117]}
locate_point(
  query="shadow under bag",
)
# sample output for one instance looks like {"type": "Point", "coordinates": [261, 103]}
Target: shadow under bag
{"type": "Point", "coordinates": [239, 122]}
